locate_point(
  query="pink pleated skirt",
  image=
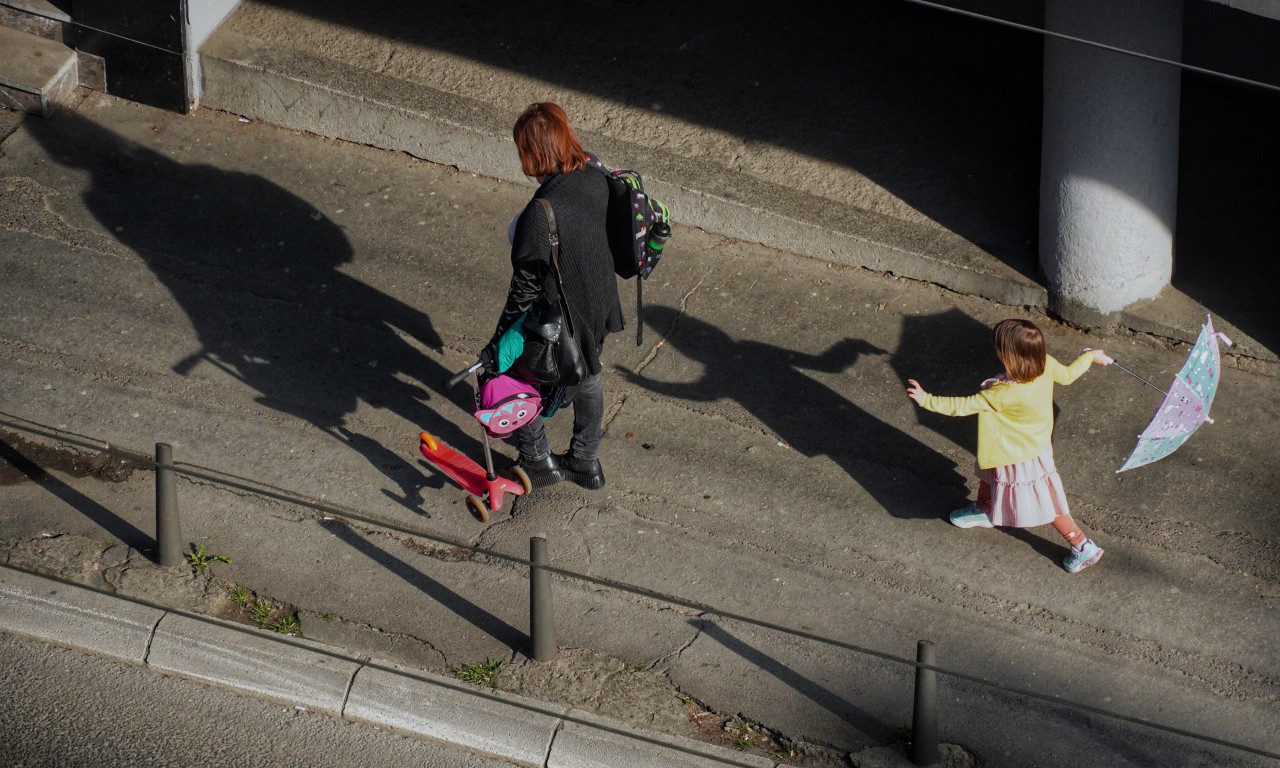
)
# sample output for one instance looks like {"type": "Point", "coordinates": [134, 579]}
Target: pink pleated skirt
{"type": "Point", "coordinates": [1025, 494]}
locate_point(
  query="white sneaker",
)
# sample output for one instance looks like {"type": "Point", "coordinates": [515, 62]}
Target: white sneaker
{"type": "Point", "coordinates": [1079, 559]}
{"type": "Point", "coordinates": [970, 517]}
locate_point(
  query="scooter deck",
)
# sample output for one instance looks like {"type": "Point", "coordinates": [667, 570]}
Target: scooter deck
{"type": "Point", "coordinates": [473, 478]}
{"type": "Point", "coordinates": [464, 470]}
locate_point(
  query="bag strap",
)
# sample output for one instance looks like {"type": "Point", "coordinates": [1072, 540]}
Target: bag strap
{"type": "Point", "coordinates": [553, 234]}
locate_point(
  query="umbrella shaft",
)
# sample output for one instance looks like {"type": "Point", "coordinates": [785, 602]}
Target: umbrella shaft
{"type": "Point", "coordinates": [1139, 378]}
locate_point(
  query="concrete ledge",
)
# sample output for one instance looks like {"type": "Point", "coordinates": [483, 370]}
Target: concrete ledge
{"type": "Point", "coordinates": [41, 8]}
{"type": "Point", "coordinates": [1175, 315]}
{"type": "Point", "coordinates": [263, 81]}
{"type": "Point", "coordinates": [36, 74]}
{"type": "Point", "coordinates": [75, 617]}
{"type": "Point", "coordinates": [206, 650]}
{"type": "Point", "coordinates": [501, 724]}
{"type": "Point", "coordinates": [305, 673]}
{"type": "Point", "coordinates": [589, 741]}
{"type": "Point", "coordinates": [248, 77]}
{"type": "Point", "coordinates": [25, 20]}
{"type": "Point", "coordinates": [746, 208]}
{"type": "Point", "coordinates": [495, 723]}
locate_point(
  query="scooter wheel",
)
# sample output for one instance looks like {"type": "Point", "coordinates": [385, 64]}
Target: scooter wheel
{"type": "Point", "coordinates": [522, 477]}
{"type": "Point", "coordinates": [478, 508]}
{"type": "Point", "coordinates": [429, 440]}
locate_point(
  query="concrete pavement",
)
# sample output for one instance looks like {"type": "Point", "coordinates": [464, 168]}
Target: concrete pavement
{"type": "Point", "coordinates": [238, 291]}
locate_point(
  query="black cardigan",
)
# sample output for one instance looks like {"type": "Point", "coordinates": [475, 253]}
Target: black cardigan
{"type": "Point", "coordinates": [580, 201]}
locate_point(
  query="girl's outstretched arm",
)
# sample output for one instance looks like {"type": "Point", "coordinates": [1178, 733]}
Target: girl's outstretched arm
{"type": "Point", "coordinates": [954, 406]}
{"type": "Point", "coordinates": [1066, 374]}
{"type": "Point", "coordinates": [915, 391]}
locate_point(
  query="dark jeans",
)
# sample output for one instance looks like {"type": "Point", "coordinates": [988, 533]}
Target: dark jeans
{"type": "Point", "coordinates": [588, 416]}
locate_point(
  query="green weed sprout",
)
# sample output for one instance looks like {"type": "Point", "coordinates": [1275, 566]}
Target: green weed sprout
{"type": "Point", "coordinates": [199, 560]}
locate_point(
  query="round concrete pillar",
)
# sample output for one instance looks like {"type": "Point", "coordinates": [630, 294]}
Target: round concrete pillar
{"type": "Point", "coordinates": [1109, 157]}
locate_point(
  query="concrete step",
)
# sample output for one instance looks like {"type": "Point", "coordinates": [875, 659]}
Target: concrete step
{"type": "Point", "coordinates": [36, 74]}
{"type": "Point", "coordinates": [40, 17]}
{"type": "Point", "coordinates": [264, 77]}
{"type": "Point", "coordinates": [922, 196]}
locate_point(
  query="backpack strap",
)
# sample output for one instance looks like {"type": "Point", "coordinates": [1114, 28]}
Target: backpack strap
{"type": "Point", "coordinates": [600, 166]}
{"type": "Point", "coordinates": [639, 310]}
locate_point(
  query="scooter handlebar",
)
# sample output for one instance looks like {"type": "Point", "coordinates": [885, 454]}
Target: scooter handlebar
{"type": "Point", "coordinates": [464, 373]}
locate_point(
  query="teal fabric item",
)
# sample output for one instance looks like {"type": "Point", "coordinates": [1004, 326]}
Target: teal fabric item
{"type": "Point", "coordinates": [510, 345]}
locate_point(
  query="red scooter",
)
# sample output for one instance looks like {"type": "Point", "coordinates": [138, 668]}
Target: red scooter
{"type": "Point", "coordinates": [484, 486]}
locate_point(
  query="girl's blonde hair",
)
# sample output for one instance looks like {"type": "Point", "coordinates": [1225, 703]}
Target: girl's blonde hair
{"type": "Point", "coordinates": [1020, 346]}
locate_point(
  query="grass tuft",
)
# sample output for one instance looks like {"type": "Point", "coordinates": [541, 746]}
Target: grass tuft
{"type": "Point", "coordinates": [478, 674]}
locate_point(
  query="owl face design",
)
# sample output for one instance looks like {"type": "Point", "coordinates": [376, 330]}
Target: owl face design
{"type": "Point", "coordinates": [509, 416]}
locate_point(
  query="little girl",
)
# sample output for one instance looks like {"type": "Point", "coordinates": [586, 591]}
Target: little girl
{"type": "Point", "coordinates": [1019, 485]}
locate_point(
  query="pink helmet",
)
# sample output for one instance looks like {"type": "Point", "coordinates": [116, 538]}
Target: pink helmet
{"type": "Point", "coordinates": [505, 404]}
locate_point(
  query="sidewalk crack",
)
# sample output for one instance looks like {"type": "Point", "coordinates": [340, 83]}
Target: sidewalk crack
{"type": "Point", "coordinates": [671, 327]}
{"type": "Point", "coordinates": [697, 622]}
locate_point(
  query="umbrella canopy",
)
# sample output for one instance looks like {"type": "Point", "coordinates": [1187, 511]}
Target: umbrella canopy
{"type": "Point", "coordinates": [1186, 405]}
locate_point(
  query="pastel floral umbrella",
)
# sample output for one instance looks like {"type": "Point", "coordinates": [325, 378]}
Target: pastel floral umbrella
{"type": "Point", "coordinates": [1186, 405]}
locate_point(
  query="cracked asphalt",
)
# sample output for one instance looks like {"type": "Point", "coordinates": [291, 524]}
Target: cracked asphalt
{"type": "Point", "coordinates": [284, 309]}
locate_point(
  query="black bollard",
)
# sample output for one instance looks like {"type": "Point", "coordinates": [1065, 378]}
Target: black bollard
{"type": "Point", "coordinates": [542, 628]}
{"type": "Point", "coordinates": [168, 529]}
{"type": "Point", "coordinates": [924, 716]}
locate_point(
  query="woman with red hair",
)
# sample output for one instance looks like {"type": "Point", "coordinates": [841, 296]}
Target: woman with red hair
{"type": "Point", "coordinates": [579, 195]}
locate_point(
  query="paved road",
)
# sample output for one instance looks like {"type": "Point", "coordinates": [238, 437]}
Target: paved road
{"type": "Point", "coordinates": [284, 308]}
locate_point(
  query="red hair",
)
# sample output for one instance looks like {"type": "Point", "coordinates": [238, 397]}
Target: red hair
{"type": "Point", "coordinates": [546, 142]}
{"type": "Point", "coordinates": [1020, 346]}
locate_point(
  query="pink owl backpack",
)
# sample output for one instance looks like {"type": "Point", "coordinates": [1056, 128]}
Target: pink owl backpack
{"type": "Point", "coordinates": [504, 404]}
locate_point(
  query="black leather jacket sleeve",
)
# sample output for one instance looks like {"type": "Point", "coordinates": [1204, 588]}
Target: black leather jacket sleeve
{"type": "Point", "coordinates": [530, 267]}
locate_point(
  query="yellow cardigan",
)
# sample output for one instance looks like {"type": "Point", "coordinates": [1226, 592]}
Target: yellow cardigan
{"type": "Point", "coordinates": [1015, 421]}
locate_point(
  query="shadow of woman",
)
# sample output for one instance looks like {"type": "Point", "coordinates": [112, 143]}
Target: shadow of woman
{"type": "Point", "coordinates": [907, 478]}
{"type": "Point", "coordinates": [255, 269]}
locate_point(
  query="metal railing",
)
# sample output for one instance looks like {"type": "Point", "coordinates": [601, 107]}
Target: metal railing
{"type": "Point", "coordinates": [924, 741]}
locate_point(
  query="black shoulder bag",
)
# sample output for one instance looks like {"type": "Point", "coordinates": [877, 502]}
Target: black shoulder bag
{"type": "Point", "coordinates": [552, 355]}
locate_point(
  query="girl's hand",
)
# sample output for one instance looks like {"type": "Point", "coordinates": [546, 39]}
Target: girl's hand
{"type": "Point", "coordinates": [1100, 357]}
{"type": "Point", "coordinates": [915, 391]}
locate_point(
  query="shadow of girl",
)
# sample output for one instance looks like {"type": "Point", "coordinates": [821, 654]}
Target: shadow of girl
{"type": "Point", "coordinates": [907, 478]}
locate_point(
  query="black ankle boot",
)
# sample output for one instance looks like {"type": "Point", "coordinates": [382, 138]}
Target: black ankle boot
{"type": "Point", "coordinates": [585, 472]}
{"type": "Point", "coordinates": [543, 473]}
